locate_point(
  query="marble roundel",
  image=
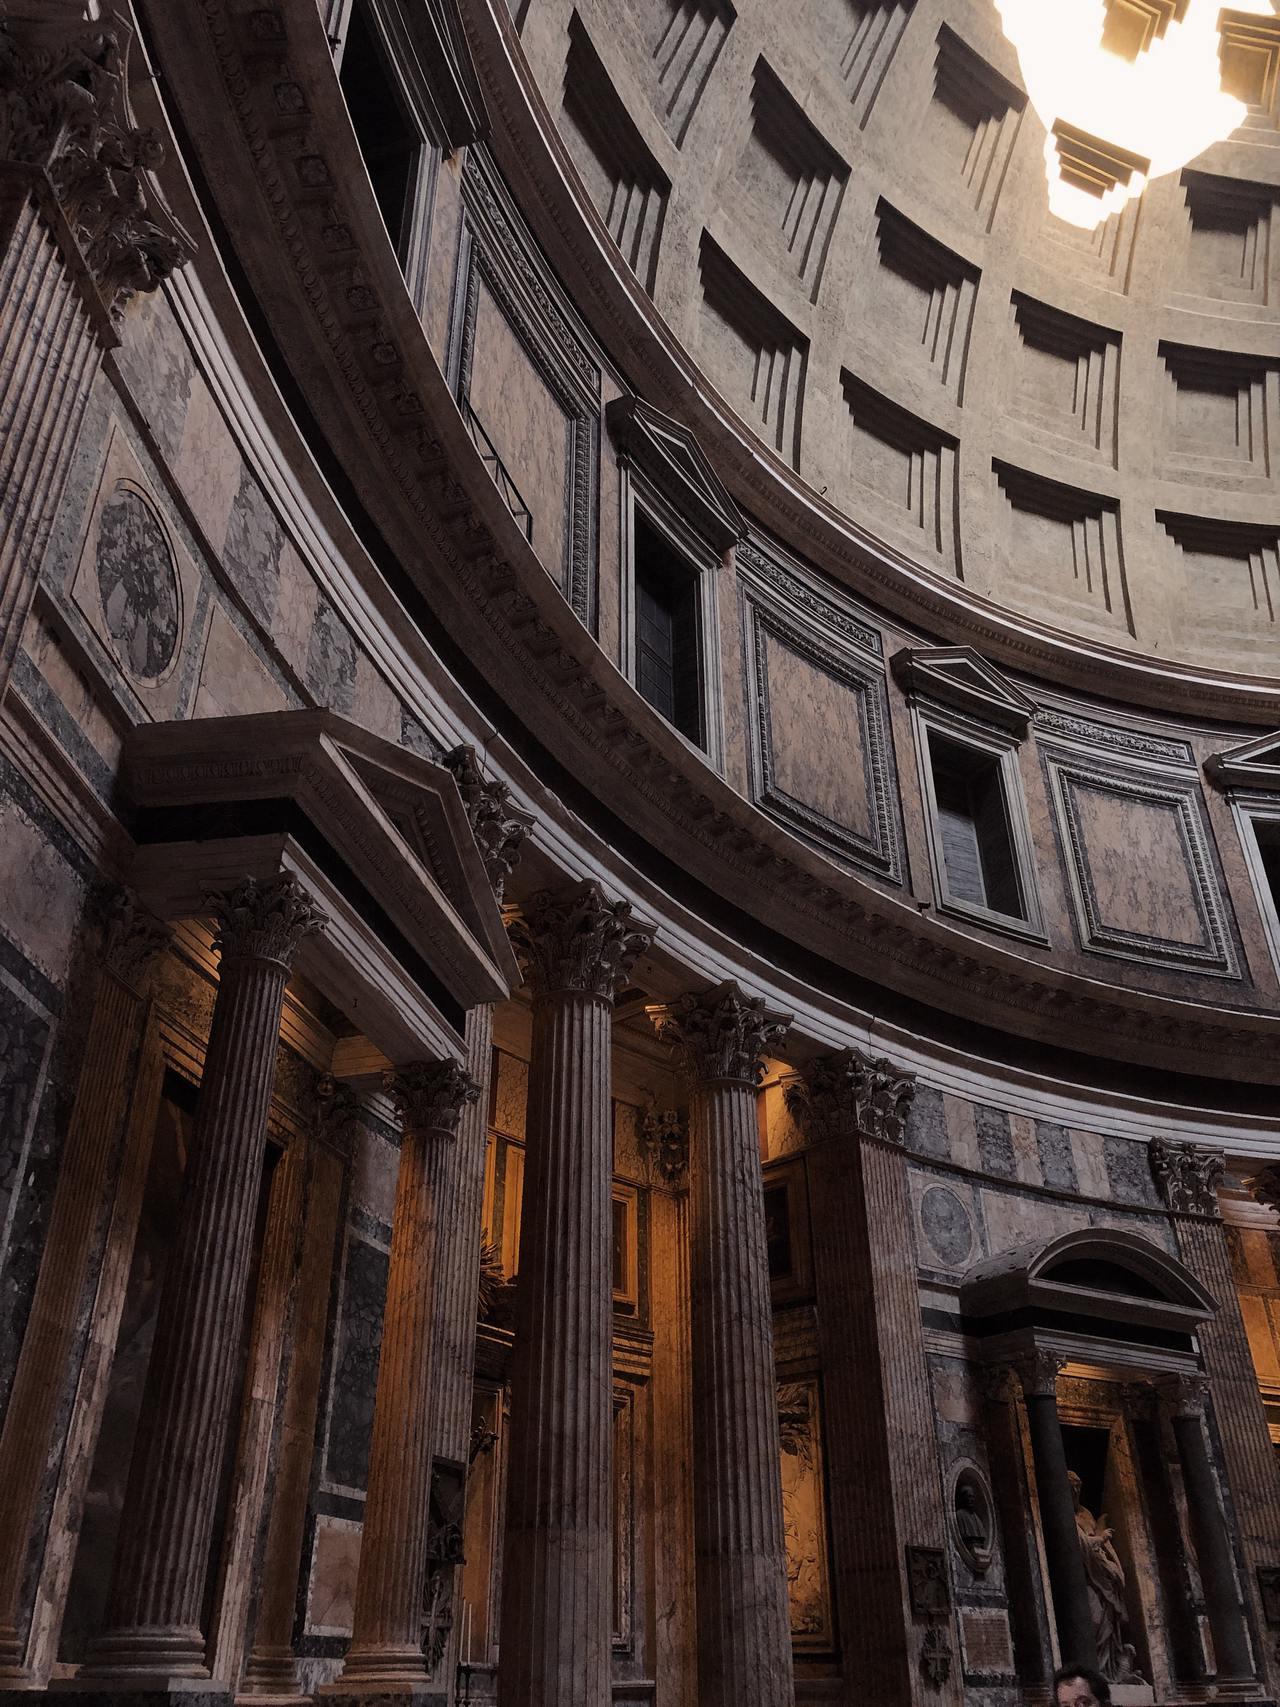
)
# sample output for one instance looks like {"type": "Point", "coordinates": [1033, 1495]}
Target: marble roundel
{"type": "Point", "coordinates": [138, 585]}
{"type": "Point", "coordinates": [945, 1222]}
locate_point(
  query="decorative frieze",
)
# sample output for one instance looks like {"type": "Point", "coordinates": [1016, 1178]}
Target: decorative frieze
{"type": "Point", "coordinates": [1186, 1175]}
{"type": "Point", "coordinates": [849, 1093]}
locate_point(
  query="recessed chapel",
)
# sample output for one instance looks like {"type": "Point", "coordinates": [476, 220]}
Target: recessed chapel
{"type": "Point", "coordinates": [639, 853]}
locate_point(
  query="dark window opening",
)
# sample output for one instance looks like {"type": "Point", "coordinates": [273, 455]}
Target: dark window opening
{"type": "Point", "coordinates": [1101, 1276]}
{"type": "Point", "coordinates": [668, 641]}
{"type": "Point", "coordinates": [1267, 832]}
{"type": "Point", "coordinates": [389, 142]}
{"type": "Point", "coordinates": [973, 827]}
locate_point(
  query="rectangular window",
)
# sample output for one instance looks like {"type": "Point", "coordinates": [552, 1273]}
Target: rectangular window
{"type": "Point", "coordinates": [973, 827]}
{"type": "Point", "coordinates": [389, 141]}
{"type": "Point", "coordinates": [668, 665]}
{"type": "Point", "coordinates": [1267, 833]}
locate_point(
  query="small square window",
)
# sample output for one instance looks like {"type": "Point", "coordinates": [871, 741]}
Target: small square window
{"type": "Point", "coordinates": [667, 639]}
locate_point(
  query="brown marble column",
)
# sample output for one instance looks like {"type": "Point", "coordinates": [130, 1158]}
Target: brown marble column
{"type": "Point", "coordinates": [1187, 1177]}
{"type": "Point", "coordinates": [153, 1628]}
{"type": "Point", "coordinates": [270, 1668]}
{"type": "Point", "coordinates": [82, 229]}
{"type": "Point", "coordinates": [556, 1619]}
{"type": "Point", "coordinates": [385, 1656]}
{"type": "Point", "coordinates": [1077, 1644]}
{"type": "Point", "coordinates": [1186, 1399]}
{"type": "Point", "coordinates": [744, 1627]}
{"type": "Point", "coordinates": [81, 1204]}
{"type": "Point", "coordinates": [882, 1464]}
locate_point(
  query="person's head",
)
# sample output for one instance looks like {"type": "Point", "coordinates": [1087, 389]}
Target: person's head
{"type": "Point", "coordinates": [1080, 1686]}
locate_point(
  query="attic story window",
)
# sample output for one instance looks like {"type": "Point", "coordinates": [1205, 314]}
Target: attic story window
{"type": "Point", "coordinates": [667, 638]}
{"type": "Point", "coordinates": [389, 141]}
{"type": "Point", "coordinates": [973, 824]}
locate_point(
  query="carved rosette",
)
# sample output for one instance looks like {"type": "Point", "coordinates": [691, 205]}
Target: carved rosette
{"type": "Point", "coordinates": [133, 938]}
{"type": "Point", "coordinates": [723, 1034]}
{"type": "Point", "coordinates": [64, 111]}
{"type": "Point", "coordinates": [1038, 1373]}
{"type": "Point", "coordinates": [498, 825]}
{"type": "Point", "coordinates": [1187, 1176]}
{"type": "Point", "coordinates": [848, 1093]}
{"type": "Point", "coordinates": [430, 1095]}
{"type": "Point", "coordinates": [1184, 1395]}
{"type": "Point", "coordinates": [664, 1132]}
{"type": "Point", "coordinates": [576, 941]}
{"type": "Point", "coordinates": [264, 921]}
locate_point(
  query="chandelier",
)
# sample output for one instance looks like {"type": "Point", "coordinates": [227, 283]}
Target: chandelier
{"type": "Point", "coordinates": [1127, 90]}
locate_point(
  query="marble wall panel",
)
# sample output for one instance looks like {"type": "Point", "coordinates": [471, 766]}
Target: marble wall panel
{"type": "Point", "coordinates": [804, 1517]}
{"type": "Point", "coordinates": [251, 549]}
{"type": "Point", "coordinates": [155, 362]}
{"type": "Point", "coordinates": [233, 678]}
{"type": "Point", "coordinates": [511, 1094]}
{"type": "Point", "coordinates": [355, 1367]}
{"type": "Point", "coordinates": [331, 660]}
{"type": "Point", "coordinates": [331, 1589]}
{"type": "Point", "coordinates": [947, 1233]}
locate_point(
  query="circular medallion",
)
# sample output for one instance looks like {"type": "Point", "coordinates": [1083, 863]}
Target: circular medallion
{"type": "Point", "coordinates": [138, 585]}
{"type": "Point", "coordinates": [945, 1223]}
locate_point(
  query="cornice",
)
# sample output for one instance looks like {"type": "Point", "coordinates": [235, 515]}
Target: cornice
{"type": "Point", "coordinates": [537, 165]}
{"type": "Point", "coordinates": [305, 228]}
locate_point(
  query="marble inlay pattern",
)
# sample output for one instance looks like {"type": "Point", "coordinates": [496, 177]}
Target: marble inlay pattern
{"type": "Point", "coordinates": [355, 1373]}
{"type": "Point", "coordinates": [138, 584]}
{"type": "Point", "coordinates": [252, 547]}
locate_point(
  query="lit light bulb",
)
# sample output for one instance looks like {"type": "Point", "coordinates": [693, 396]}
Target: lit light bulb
{"type": "Point", "coordinates": [1164, 107]}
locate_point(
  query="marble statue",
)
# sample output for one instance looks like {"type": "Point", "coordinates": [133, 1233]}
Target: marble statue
{"type": "Point", "coordinates": [1105, 1577]}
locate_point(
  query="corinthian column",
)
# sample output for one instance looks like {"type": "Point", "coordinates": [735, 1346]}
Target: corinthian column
{"type": "Point", "coordinates": [82, 229]}
{"type": "Point", "coordinates": [744, 1626]}
{"type": "Point", "coordinates": [153, 1626]}
{"type": "Point", "coordinates": [386, 1644]}
{"type": "Point", "coordinates": [577, 949]}
{"type": "Point", "coordinates": [882, 1466]}
{"type": "Point", "coordinates": [1185, 1398]}
{"type": "Point", "coordinates": [80, 1202]}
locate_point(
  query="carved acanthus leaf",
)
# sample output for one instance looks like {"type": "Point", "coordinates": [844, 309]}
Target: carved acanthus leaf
{"type": "Point", "coordinates": [264, 921]}
{"type": "Point", "coordinates": [64, 111]}
{"type": "Point", "coordinates": [723, 1034]}
{"type": "Point", "coordinates": [848, 1094]}
{"type": "Point", "coordinates": [497, 823]}
{"type": "Point", "coordinates": [133, 937]}
{"type": "Point", "coordinates": [1038, 1371]}
{"type": "Point", "coordinates": [430, 1095]}
{"type": "Point", "coordinates": [1186, 1175]}
{"type": "Point", "coordinates": [575, 940]}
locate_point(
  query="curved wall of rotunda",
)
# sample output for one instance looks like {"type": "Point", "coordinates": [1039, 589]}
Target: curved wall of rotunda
{"type": "Point", "coordinates": [640, 852]}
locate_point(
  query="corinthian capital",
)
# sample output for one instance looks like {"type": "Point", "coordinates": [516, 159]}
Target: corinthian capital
{"type": "Point", "coordinates": [133, 937]}
{"type": "Point", "coordinates": [722, 1034]}
{"type": "Point", "coordinates": [1187, 1176]}
{"type": "Point", "coordinates": [1265, 1186]}
{"type": "Point", "coordinates": [575, 940]}
{"type": "Point", "coordinates": [430, 1095]}
{"type": "Point", "coordinates": [848, 1094]}
{"type": "Point", "coordinates": [497, 823]}
{"type": "Point", "coordinates": [1038, 1372]}
{"type": "Point", "coordinates": [64, 111]}
{"type": "Point", "coordinates": [1184, 1395]}
{"type": "Point", "coordinates": [264, 921]}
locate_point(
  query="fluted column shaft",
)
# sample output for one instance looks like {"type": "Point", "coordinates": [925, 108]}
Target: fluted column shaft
{"type": "Point", "coordinates": [1077, 1644]}
{"type": "Point", "coordinates": [1210, 1535]}
{"type": "Point", "coordinates": [386, 1644]}
{"type": "Point", "coordinates": [744, 1626]}
{"type": "Point", "coordinates": [158, 1586]}
{"type": "Point", "coordinates": [80, 1203]}
{"type": "Point", "coordinates": [556, 1623]}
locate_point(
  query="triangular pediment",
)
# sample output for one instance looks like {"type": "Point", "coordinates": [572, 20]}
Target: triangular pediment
{"type": "Point", "coordinates": [674, 462]}
{"type": "Point", "coordinates": [1256, 764]}
{"type": "Point", "coordinates": [959, 676]}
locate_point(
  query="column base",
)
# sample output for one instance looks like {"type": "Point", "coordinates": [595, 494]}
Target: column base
{"type": "Point", "coordinates": [138, 1692]}
{"type": "Point", "coordinates": [359, 1693]}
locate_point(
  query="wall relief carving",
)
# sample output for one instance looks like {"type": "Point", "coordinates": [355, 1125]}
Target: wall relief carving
{"type": "Point", "coordinates": [138, 585]}
{"type": "Point", "coordinates": [804, 1516]}
{"type": "Point", "coordinates": [973, 1519]}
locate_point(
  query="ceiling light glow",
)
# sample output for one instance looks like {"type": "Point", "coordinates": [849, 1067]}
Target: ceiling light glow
{"type": "Point", "coordinates": [1119, 122]}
